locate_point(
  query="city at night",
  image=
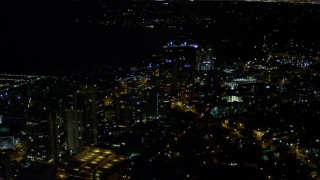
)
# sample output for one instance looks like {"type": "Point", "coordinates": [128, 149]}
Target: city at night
{"type": "Point", "coordinates": [159, 90]}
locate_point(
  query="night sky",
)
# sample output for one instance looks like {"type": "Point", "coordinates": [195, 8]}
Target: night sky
{"type": "Point", "coordinates": [42, 36]}
{"type": "Point", "coordinates": [33, 33]}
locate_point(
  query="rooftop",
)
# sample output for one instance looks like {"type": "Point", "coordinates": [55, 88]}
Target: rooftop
{"type": "Point", "coordinates": [94, 160]}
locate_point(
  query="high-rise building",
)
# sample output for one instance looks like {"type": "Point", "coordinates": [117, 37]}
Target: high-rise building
{"type": "Point", "coordinates": [177, 71]}
{"type": "Point", "coordinates": [82, 117]}
{"type": "Point", "coordinates": [45, 134]}
{"type": "Point", "coordinates": [157, 104]}
{"type": "Point", "coordinates": [128, 109]}
{"type": "Point", "coordinates": [205, 59]}
{"type": "Point", "coordinates": [205, 53]}
{"type": "Point", "coordinates": [74, 129]}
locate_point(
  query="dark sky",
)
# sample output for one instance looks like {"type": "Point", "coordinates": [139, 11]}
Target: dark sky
{"type": "Point", "coordinates": [33, 32]}
{"type": "Point", "coordinates": [41, 35]}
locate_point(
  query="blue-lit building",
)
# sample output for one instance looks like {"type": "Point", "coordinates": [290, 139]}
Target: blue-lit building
{"type": "Point", "coordinates": [205, 59]}
{"type": "Point", "coordinates": [205, 65]}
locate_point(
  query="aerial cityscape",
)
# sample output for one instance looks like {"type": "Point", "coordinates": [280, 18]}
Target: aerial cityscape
{"type": "Point", "coordinates": [160, 90]}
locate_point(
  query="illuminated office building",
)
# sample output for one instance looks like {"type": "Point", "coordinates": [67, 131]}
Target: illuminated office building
{"type": "Point", "coordinates": [45, 135]}
{"type": "Point", "coordinates": [177, 71]}
{"type": "Point", "coordinates": [82, 117]}
{"type": "Point", "coordinates": [128, 109]}
{"type": "Point", "coordinates": [157, 104]}
{"type": "Point", "coordinates": [74, 129]}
